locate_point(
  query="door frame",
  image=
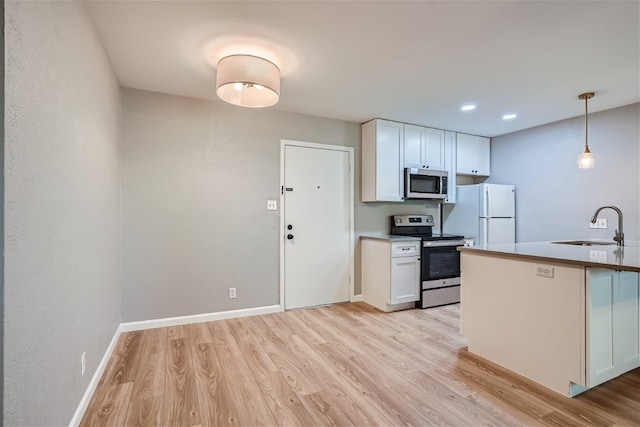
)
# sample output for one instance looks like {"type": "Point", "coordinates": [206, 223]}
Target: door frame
{"type": "Point", "coordinates": [351, 185]}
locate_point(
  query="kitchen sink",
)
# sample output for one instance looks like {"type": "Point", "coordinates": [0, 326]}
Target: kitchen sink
{"type": "Point", "coordinates": [584, 242]}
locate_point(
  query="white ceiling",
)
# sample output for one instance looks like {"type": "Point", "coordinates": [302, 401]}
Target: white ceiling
{"type": "Point", "coordinates": [415, 62]}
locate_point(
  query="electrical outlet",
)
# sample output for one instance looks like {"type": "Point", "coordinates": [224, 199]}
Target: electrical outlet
{"type": "Point", "coordinates": [272, 205]}
{"type": "Point", "coordinates": [83, 362]}
{"type": "Point", "coordinates": [544, 271]}
{"type": "Point", "coordinates": [232, 293]}
{"type": "Point", "coordinates": [600, 223]}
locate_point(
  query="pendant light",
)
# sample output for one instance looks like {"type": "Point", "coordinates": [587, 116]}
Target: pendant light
{"type": "Point", "coordinates": [248, 81]}
{"type": "Point", "coordinates": [586, 159]}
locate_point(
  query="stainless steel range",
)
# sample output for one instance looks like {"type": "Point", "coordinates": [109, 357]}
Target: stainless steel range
{"type": "Point", "coordinates": [440, 260]}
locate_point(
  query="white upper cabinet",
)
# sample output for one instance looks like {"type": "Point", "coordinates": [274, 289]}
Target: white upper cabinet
{"type": "Point", "coordinates": [423, 147]}
{"type": "Point", "coordinates": [450, 159]}
{"type": "Point", "coordinates": [382, 161]}
{"type": "Point", "coordinates": [474, 155]}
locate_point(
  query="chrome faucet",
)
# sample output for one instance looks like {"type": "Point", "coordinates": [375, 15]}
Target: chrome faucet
{"type": "Point", "coordinates": [619, 237]}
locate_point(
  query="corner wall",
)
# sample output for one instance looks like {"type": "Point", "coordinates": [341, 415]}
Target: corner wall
{"type": "Point", "coordinates": [62, 282]}
{"type": "Point", "coordinates": [196, 178]}
{"type": "Point", "coordinates": [554, 198]}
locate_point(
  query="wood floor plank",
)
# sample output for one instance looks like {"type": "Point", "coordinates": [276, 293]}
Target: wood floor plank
{"type": "Point", "coordinates": [323, 411]}
{"type": "Point", "coordinates": [181, 407]}
{"type": "Point", "coordinates": [216, 405]}
{"type": "Point", "coordinates": [294, 371]}
{"type": "Point", "coordinates": [222, 340]}
{"type": "Point", "coordinates": [354, 404]}
{"type": "Point", "coordinates": [279, 396]}
{"type": "Point", "coordinates": [345, 364]}
{"type": "Point", "coordinates": [110, 405]}
{"type": "Point", "coordinates": [147, 396]}
{"type": "Point", "coordinates": [253, 409]}
{"type": "Point", "coordinates": [123, 364]}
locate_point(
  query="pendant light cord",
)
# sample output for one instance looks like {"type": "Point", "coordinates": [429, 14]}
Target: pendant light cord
{"type": "Point", "coordinates": [586, 123]}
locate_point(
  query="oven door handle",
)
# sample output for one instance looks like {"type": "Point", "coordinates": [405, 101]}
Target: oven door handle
{"type": "Point", "coordinates": [442, 243]}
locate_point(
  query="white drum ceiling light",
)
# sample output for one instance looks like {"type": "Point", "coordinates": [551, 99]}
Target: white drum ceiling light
{"type": "Point", "coordinates": [248, 81]}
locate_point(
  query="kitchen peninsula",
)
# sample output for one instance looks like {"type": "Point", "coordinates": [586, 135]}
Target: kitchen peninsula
{"type": "Point", "coordinates": [564, 315]}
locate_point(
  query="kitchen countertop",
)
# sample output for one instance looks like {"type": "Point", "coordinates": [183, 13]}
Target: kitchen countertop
{"type": "Point", "coordinates": [390, 238]}
{"type": "Point", "coordinates": [598, 256]}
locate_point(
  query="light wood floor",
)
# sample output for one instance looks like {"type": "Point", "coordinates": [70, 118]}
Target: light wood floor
{"type": "Point", "coordinates": [345, 364]}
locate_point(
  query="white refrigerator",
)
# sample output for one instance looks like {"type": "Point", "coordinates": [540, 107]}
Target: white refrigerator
{"type": "Point", "coordinates": [484, 212]}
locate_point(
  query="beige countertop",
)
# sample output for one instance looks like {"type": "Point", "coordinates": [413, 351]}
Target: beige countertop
{"type": "Point", "coordinates": [390, 237]}
{"type": "Point", "coordinates": [598, 256]}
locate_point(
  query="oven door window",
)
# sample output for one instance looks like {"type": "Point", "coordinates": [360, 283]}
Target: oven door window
{"type": "Point", "coordinates": [425, 184]}
{"type": "Point", "coordinates": [440, 263]}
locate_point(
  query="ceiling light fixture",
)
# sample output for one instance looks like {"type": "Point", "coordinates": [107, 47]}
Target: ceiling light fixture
{"type": "Point", "coordinates": [468, 107]}
{"type": "Point", "coordinates": [509, 116]}
{"type": "Point", "coordinates": [248, 81]}
{"type": "Point", "coordinates": [586, 159]}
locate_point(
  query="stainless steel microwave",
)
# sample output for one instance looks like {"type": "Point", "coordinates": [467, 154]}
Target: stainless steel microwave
{"type": "Point", "coordinates": [425, 184]}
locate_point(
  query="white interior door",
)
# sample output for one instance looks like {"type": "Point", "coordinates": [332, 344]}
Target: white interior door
{"type": "Point", "coordinates": [317, 213]}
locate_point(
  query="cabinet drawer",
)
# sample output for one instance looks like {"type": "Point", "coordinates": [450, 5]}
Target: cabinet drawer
{"type": "Point", "coordinates": [405, 249]}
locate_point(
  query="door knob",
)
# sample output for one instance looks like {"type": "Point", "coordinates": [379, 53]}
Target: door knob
{"type": "Point", "coordinates": [289, 236]}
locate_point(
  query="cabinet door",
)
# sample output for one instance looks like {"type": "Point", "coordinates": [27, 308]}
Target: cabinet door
{"type": "Point", "coordinates": [434, 149]}
{"type": "Point", "coordinates": [389, 171]}
{"type": "Point", "coordinates": [450, 165]}
{"type": "Point", "coordinates": [414, 146]}
{"type": "Point", "coordinates": [473, 156]}
{"type": "Point", "coordinates": [382, 161]}
{"type": "Point", "coordinates": [600, 359]}
{"type": "Point", "coordinates": [613, 340]}
{"type": "Point", "coordinates": [625, 321]}
{"type": "Point", "coordinates": [405, 279]}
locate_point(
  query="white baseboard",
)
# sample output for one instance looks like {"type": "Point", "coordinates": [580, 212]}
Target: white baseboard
{"type": "Point", "coordinates": [356, 298]}
{"type": "Point", "coordinates": [197, 318]}
{"type": "Point", "coordinates": [95, 379]}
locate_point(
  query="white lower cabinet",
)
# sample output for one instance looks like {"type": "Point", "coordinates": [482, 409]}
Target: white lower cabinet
{"type": "Point", "coordinates": [613, 317]}
{"type": "Point", "coordinates": [390, 273]}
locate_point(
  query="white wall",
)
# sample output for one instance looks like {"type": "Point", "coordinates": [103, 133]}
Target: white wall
{"type": "Point", "coordinates": [196, 178]}
{"type": "Point", "coordinates": [62, 294]}
{"type": "Point", "coordinates": [554, 198]}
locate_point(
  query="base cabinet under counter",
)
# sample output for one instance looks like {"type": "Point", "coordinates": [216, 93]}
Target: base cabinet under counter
{"type": "Point", "coordinates": [567, 327]}
{"type": "Point", "coordinates": [390, 273]}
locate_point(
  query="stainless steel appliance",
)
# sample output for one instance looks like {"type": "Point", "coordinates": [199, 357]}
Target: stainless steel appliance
{"type": "Point", "coordinates": [440, 259]}
{"type": "Point", "coordinates": [425, 184]}
{"type": "Point", "coordinates": [484, 212]}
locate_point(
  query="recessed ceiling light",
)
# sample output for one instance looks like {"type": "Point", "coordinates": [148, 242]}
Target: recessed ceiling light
{"type": "Point", "coordinates": [468, 107]}
{"type": "Point", "coordinates": [509, 116]}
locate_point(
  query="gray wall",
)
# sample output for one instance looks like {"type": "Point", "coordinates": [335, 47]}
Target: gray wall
{"type": "Point", "coordinates": [2, 224]}
{"type": "Point", "coordinates": [196, 178]}
{"type": "Point", "coordinates": [62, 294]}
{"type": "Point", "coordinates": [554, 198]}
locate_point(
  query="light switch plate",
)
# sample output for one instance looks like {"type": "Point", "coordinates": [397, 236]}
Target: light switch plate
{"type": "Point", "coordinates": [272, 205]}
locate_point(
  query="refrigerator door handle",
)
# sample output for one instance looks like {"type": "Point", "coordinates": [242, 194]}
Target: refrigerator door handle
{"type": "Point", "coordinates": [488, 202]}
{"type": "Point", "coordinates": [488, 236]}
